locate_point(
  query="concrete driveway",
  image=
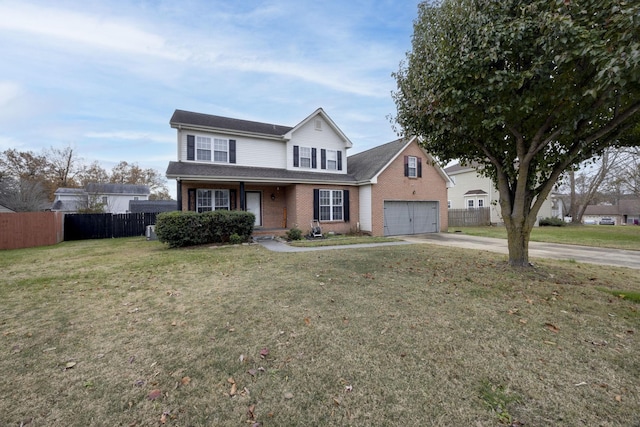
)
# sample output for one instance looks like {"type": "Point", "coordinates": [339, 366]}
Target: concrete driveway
{"type": "Point", "coordinates": [587, 254]}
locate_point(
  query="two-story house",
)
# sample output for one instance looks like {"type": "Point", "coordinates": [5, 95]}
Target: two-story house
{"type": "Point", "coordinates": [473, 190]}
{"type": "Point", "coordinates": [290, 176]}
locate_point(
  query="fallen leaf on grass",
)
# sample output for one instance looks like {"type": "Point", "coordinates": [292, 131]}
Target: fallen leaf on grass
{"type": "Point", "coordinates": [69, 365]}
{"type": "Point", "coordinates": [185, 380]}
{"type": "Point", "coordinates": [553, 328]}
{"type": "Point", "coordinates": [288, 395]}
{"type": "Point", "coordinates": [618, 398]}
{"type": "Point", "coordinates": [154, 394]}
{"type": "Point", "coordinates": [307, 321]}
{"type": "Point", "coordinates": [250, 412]}
{"type": "Point", "coordinates": [264, 353]}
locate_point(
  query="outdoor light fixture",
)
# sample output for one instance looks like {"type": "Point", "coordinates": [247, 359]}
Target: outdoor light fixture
{"type": "Point", "coordinates": [273, 196]}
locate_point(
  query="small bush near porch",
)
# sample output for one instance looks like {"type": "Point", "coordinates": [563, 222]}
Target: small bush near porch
{"type": "Point", "coordinates": [127, 332]}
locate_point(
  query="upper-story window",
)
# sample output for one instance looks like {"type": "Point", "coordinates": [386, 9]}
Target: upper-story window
{"type": "Point", "coordinates": [207, 149]}
{"type": "Point", "coordinates": [305, 157]}
{"type": "Point", "coordinates": [203, 148]}
{"type": "Point", "coordinates": [412, 167]}
{"type": "Point", "coordinates": [332, 160]}
{"type": "Point", "coordinates": [220, 150]}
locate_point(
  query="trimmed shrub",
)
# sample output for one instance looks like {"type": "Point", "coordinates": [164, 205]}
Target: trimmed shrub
{"type": "Point", "coordinates": [294, 233]}
{"type": "Point", "coordinates": [552, 222]}
{"type": "Point", "coordinates": [179, 229]}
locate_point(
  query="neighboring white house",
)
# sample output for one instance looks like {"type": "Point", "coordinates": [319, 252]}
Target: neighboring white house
{"type": "Point", "coordinates": [472, 191]}
{"type": "Point", "coordinates": [112, 198]}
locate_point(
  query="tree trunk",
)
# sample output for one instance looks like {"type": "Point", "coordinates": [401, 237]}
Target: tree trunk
{"type": "Point", "coordinates": [518, 243]}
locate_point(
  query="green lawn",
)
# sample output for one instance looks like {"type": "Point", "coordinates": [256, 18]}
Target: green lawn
{"type": "Point", "coordinates": [602, 236]}
{"type": "Point", "coordinates": [124, 332]}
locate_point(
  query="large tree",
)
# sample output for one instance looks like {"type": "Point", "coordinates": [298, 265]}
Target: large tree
{"type": "Point", "coordinates": [527, 89]}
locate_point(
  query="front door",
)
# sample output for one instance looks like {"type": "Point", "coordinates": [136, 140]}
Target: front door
{"type": "Point", "coordinates": [253, 205]}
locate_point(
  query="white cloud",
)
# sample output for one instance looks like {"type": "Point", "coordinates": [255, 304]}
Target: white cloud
{"type": "Point", "coordinates": [85, 29]}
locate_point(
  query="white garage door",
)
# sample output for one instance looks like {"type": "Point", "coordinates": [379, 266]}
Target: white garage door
{"type": "Point", "coordinates": [405, 217]}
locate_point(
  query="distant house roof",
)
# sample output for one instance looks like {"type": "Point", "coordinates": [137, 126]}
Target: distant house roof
{"type": "Point", "coordinates": [188, 118]}
{"type": "Point", "coordinates": [152, 206]}
{"type": "Point", "coordinates": [475, 192]}
{"type": "Point", "coordinates": [70, 191]}
{"type": "Point", "coordinates": [625, 207]}
{"type": "Point", "coordinates": [102, 188]}
{"type": "Point", "coordinates": [4, 209]}
{"type": "Point", "coordinates": [457, 168]}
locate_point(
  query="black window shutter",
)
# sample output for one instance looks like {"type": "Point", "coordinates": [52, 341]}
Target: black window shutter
{"type": "Point", "coordinates": [191, 147]}
{"type": "Point", "coordinates": [316, 204]}
{"type": "Point", "coordinates": [314, 160]}
{"type": "Point", "coordinates": [406, 165]}
{"type": "Point", "coordinates": [192, 199]}
{"type": "Point", "coordinates": [345, 205]}
{"type": "Point", "coordinates": [340, 161]}
{"type": "Point", "coordinates": [232, 151]}
{"type": "Point", "coordinates": [323, 158]}
{"type": "Point", "coordinates": [419, 167]}
{"type": "Point", "coordinates": [296, 156]}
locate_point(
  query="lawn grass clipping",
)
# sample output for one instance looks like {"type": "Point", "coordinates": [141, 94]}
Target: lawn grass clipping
{"type": "Point", "coordinates": [127, 332]}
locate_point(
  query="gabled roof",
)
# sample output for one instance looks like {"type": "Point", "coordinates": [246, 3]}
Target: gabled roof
{"type": "Point", "coordinates": [189, 119]}
{"type": "Point", "coordinates": [102, 188]}
{"type": "Point", "coordinates": [321, 112]}
{"type": "Point", "coordinates": [367, 164]}
{"type": "Point", "coordinates": [70, 191]}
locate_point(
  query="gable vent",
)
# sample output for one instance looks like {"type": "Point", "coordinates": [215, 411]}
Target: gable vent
{"type": "Point", "coordinates": [318, 124]}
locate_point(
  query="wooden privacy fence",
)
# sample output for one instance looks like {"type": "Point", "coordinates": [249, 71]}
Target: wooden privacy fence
{"type": "Point", "coordinates": [29, 229]}
{"type": "Point", "coordinates": [469, 217]}
{"type": "Point", "coordinates": [106, 226]}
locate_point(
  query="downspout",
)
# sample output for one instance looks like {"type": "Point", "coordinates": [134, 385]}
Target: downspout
{"type": "Point", "coordinates": [242, 201]}
{"type": "Point", "coordinates": [179, 193]}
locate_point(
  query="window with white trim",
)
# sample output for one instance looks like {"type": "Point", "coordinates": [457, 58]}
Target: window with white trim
{"type": "Point", "coordinates": [305, 157]}
{"type": "Point", "coordinates": [413, 167]}
{"type": "Point", "coordinates": [210, 200]}
{"type": "Point", "coordinates": [203, 148]}
{"type": "Point", "coordinates": [332, 159]}
{"type": "Point", "coordinates": [470, 204]}
{"type": "Point", "coordinates": [220, 150]}
{"type": "Point", "coordinates": [331, 205]}
{"type": "Point", "coordinates": [480, 203]}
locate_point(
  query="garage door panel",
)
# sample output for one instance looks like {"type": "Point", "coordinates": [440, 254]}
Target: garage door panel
{"type": "Point", "coordinates": [410, 217]}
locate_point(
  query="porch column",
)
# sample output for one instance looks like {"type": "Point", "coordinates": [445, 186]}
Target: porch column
{"type": "Point", "coordinates": [242, 201]}
{"type": "Point", "coordinates": [179, 193]}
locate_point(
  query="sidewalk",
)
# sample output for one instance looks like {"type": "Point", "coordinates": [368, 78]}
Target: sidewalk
{"type": "Point", "coordinates": [585, 254]}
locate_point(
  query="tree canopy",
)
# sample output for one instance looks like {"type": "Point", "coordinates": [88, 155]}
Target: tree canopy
{"type": "Point", "coordinates": [526, 89]}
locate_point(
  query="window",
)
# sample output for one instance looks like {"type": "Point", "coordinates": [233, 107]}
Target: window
{"type": "Point", "coordinates": [470, 204]}
{"type": "Point", "coordinates": [305, 157]}
{"type": "Point", "coordinates": [413, 167]}
{"type": "Point", "coordinates": [203, 148]}
{"type": "Point", "coordinates": [332, 159]}
{"type": "Point", "coordinates": [480, 203]}
{"type": "Point", "coordinates": [220, 150]}
{"type": "Point", "coordinates": [209, 200]}
{"type": "Point", "coordinates": [105, 200]}
{"type": "Point", "coordinates": [330, 205]}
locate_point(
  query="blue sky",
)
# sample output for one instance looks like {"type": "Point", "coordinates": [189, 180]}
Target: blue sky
{"type": "Point", "coordinates": [104, 77]}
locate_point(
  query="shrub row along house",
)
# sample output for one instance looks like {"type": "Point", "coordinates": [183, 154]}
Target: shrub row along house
{"type": "Point", "coordinates": [291, 176]}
